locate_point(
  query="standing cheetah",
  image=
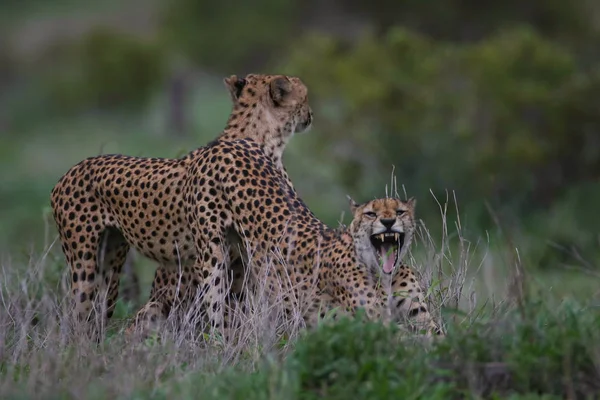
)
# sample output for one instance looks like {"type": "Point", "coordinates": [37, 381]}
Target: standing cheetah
{"type": "Point", "coordinates": [106, 204]}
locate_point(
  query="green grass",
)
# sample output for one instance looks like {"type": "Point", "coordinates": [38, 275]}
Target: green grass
{"type": "Point", "coordinates": [522, 353]}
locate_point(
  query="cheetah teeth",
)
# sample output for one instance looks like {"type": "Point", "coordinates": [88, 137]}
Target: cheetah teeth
{"type": "Point", "coordinates": [382, 236]}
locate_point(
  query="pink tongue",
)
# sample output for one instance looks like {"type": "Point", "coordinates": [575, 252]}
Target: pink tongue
{"type": "Point", "coordinates": [388, 256]}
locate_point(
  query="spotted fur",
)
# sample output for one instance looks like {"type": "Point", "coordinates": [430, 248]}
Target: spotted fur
{"type": "Point", "coordinates": [105, 205]}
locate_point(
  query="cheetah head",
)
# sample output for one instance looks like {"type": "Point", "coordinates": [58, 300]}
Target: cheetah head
{"type": "Point", "coordinates": [283, 100]}
{"type": "Point", "coordinates": [382, 230]}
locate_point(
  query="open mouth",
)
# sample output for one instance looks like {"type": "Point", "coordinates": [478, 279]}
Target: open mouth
{"type": "Point", "coordinates": [388, 246]}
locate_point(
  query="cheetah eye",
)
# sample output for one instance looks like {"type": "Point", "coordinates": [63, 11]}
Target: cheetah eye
{"type": "Point", "coordinates": [370, 214]}
{"type": "Point", "coordinates": [400, 212]}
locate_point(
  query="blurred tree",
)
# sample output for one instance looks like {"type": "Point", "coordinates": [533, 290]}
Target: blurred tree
{"type": "Point", "coordinates": [469, 20]}
{"type": "Point", "coordinates": [511, 119]}
{"type": "Point", "coordinates": [118, 69]}
{"type": "Point", "coordinates": [8, 75]}
{"type": "Point", "coordinates": [8, 67]}
{"type": "Point", "coordinates": [107, 70]}
{"type": "Point", "coordinates": [228, 35]}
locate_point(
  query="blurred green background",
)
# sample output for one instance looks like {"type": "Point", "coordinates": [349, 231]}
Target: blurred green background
{"type": "Point", "coordinates": [495, 103]}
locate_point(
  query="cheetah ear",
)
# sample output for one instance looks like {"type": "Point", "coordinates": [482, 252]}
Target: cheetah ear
{"type": "Point", "coordinates": [353, 204]}
{"type": "Point", "coordinates": [235, 86]}
{"type": "Point", "coordinates": [411, 203]}
{"type": "Point", "coordinates": [279, 89]}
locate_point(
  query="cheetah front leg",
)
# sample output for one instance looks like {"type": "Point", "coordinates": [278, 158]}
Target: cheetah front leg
{"type": "Point", "coordinates": [171, 289]}
{"type": "Point", "coordinates": [408, 303]}
{"type": "Point", "coordinates": [359, 290]}
{"type": "Point", "coordinates": [210, 271]}
{"type": "Point", "coordinates": [209, 227]}
{"type": "Point", "coordinates": [156, 310]}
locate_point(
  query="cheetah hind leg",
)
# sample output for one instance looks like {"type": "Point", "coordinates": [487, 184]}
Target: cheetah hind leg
{"type": "Point", "coordinates": [113, 255]}
{"type": "Point", "coordinates": [95, 280]}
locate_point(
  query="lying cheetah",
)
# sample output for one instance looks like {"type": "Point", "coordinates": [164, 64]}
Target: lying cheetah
{"type": "Point", "coordinates": [106, 204]}
{"type": "Point", "coordinates": [382, 230]}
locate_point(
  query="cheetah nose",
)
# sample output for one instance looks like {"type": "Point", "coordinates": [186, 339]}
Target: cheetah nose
{"type": "Point", "coordinates": [388, 222]}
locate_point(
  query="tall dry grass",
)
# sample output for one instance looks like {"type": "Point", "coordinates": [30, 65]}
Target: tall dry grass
{"type": "Point", "coordinates": [40, 355]}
